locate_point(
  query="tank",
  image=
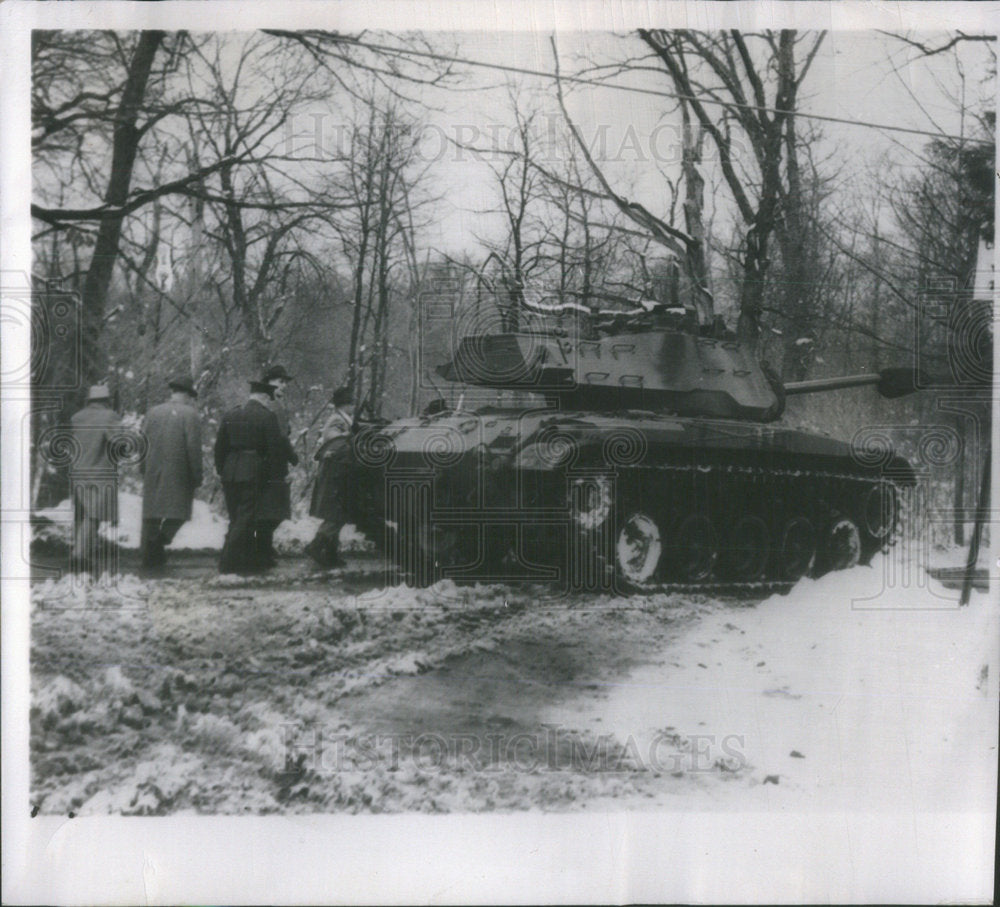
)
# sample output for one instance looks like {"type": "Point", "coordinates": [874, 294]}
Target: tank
{"type": "Point", "coordinates": [636, 454]}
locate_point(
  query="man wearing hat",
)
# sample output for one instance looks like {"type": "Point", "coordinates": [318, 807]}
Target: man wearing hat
{"type": "Point", "coordinates": [250, 451]}
{"type": "Point", "coordinates": [277, 376]}
{"type": "Point", "coordinates": [93, 478]}
{"type": "Point", "coordinates": [276, 504]}
{"type": "Point", "coordinates": [171, 469]}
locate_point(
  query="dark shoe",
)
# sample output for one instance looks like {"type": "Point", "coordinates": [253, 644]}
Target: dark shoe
{"type": "Point", "coordinates": [155, 555]}
{"type": "Point", "coordinates": [333, 561]}
{"type": "Point", "coordinates": [317, 551]}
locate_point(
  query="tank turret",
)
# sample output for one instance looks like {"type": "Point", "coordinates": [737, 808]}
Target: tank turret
{"type": "Point", "coordinates": [660, 371]}
{"type": "Point", "coordinates": [673, 371]}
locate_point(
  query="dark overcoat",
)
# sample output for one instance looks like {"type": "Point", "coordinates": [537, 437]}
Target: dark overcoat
{"type": "Point", "coordinates": [94, 471]}
{"type": "Point", "coordinates": [251, 449]}
{"type": "Point", "coordinates": [172, 467]}
{"type": "Point", "coordinates": [276, 504]}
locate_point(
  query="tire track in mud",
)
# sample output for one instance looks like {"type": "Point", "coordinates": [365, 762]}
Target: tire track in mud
{"type": "Point", "coordinates": [271, 695]}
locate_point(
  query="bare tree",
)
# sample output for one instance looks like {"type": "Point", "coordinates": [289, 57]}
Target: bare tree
{"type": "Point", "coordinates": [756, 89]}
{"type": "Point", "coordinates": [686, 246]}
{"type": "Point", "coordinates": [381, 180]}
{"type": "Point", "coordinates": [104, 96]}
{"type": "Point", "coordinates": [260, 210]}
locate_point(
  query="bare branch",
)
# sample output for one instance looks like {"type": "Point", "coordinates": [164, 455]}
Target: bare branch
{"type": "Point", "coordinates": [674, 239]}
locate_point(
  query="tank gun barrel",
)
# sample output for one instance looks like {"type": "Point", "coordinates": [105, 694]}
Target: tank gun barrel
{"type": "Point", "coordinates": [830, 384]}
{"type": "Point", "coordinates": [892, 382]}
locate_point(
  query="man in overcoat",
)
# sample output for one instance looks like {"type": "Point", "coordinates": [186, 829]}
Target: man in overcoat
{"type": "Point", "coordinates": [94, 479]}
{"type": "Point", "coordinates": [277, 501]}
{"type": "Point", "coordinates": [249, 453]}
{"type": "Point", "coordinates": [171, 469]}
{"type": "Point", "coordinates": [331, 493]}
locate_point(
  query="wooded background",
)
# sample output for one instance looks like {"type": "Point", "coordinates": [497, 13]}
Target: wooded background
{"type": "Point", "coordinates": [200, 226]}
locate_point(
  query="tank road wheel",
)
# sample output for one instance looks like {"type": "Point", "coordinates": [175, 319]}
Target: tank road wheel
{"type": "Point", "coordinates": [796, 549]}
{"type": "Point", "coordinates": [748, 548]}
{"type": "Point", "coordinates": [880, 518]}
{"type": "Point", "coordinates": [410, 555]}
{"type": "Point", "coordinates": [638, 548]}
{"type": "Point", "coordinates": [695, 549]}
{"type": "Point", "coordinates": [590, 502]}
{"type": "Point", "coordinates": [420, 550]}
{"type": "Point", "coordinates": [841, 544]}
{"type": "Point", "coordinates": [439, 547]}
{"type": "Point", "coordinates": [590, 556]}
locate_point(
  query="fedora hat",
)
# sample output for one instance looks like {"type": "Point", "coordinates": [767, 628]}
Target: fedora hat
{"type": "Point", "coordinates": [183, 383]}
{"type": "Point", "coordinates": [342, 396]}
{"type": "Point", "coordinates": [277, 371]}
{"type": "Point", "coordinates": [98, 392]}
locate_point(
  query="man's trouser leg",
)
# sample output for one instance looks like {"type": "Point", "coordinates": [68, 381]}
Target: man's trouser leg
{"type": "Point", "coordinates": [264, 532]}
{"type": "Point", "coordinates": [151, 544]}
{"type": "Point", "coordinates": [169, 527]}
{"type": "Point", "coordinates": [325, 546]}
{"type": "Point", "coordinates": [85, 542]}
{"type": "Point", "coordinates": [156, 535]}
{"type": "Point", "coordinates": [239, 550]}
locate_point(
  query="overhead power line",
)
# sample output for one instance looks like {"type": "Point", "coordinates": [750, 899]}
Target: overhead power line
{"type": "Point", "coordinates": [540, 73]}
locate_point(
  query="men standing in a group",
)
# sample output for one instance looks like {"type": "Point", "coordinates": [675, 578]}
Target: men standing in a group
{"type": "Point", "coordinates": [250, 452]}
{"type": "Point", "coordinates": [171, 470]}
{"type": "Point", "coordinates": [93, 479]}
{"type": "Point", "coordinates": [276, 502]}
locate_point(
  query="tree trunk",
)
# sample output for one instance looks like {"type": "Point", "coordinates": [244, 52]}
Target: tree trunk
{"type": "Point", "coordinates": [125, 145]}
{"type": "Point", "coordinates": [876, 303]}
{"type": "Point", "coordinates": [769, 154]}
{"type": "Point", "coordinates": [238, 245]}
{"type": "Point", "coordinates": [194, 285]}
{"type": "Point", "coordinates": [796, 253]}
{"type": "Point", "coordinates": [752, 291]}
{"type": "Point", "coordinates": [958, 503]}
{"type": "Point", "coordinates": [694, 221]}
{"type": "Point", "coordinates": [359, 297]}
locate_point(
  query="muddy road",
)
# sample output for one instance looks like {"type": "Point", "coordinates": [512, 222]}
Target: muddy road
{"type": "Point", "coordinates": [306, 692]}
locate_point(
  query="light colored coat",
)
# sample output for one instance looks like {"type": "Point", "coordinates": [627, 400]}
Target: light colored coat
{"type": "Point", "coordinates": [331, 492]}
{"type": "Point", "coordinates": [172, 468]}
{"type": "Point", "coordinates": [94, 472]}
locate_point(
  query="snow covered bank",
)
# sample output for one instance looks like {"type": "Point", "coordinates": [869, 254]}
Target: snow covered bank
{"type": "Point", "coordinates": [843, 695]}
{"type": "Point", "coordinates": [205, 531]}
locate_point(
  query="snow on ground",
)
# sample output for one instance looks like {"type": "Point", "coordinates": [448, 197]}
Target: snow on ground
{"type": "Point", "coordinates": [866, 691]}
{"type": "Point", "coordinates": [205, 531]}
{"type": "Point", "coordinates": [958, 557]}
{"type": "Point", "coordinates": [842, 695]}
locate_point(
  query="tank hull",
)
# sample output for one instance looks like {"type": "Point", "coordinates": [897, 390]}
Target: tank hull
{"type": "Point", "coordinates": [619, 502]}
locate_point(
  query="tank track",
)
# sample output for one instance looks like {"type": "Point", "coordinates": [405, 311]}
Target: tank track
{"type": "Point", "coordinates": [769, 512]}
{"type": "Point", "coordinates": [754, 523]}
